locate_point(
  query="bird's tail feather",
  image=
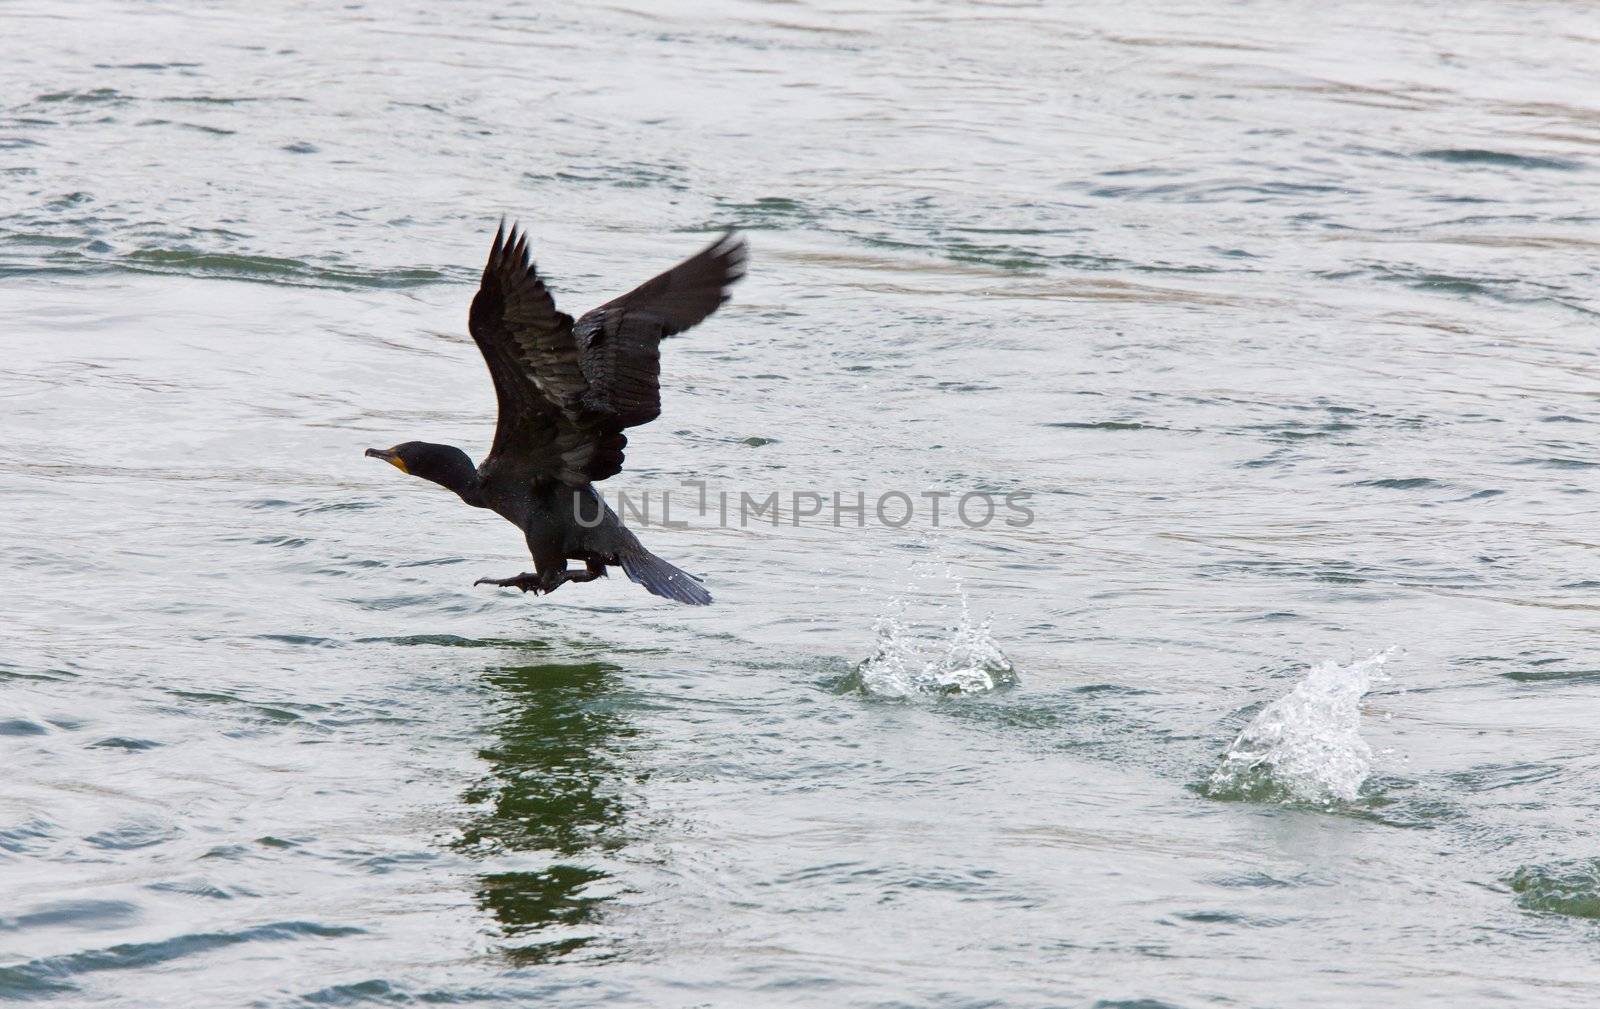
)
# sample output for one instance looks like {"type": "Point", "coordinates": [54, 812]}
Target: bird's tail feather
{"type": "Point", "coordinates": [662, 579]}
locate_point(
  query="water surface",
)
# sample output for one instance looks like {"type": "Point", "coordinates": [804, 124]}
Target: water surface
{"type": "Point", "coordinates": [1285, 315]}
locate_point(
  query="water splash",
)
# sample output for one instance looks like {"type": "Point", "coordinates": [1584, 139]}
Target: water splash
{"type": "Point", "coordinates": [1307, 745]}
{"type": "Point", "coordinates": [913, 661]}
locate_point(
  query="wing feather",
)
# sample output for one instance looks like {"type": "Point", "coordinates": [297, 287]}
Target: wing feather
{"type": "Point", "coordinates": [619, 343]}
{"type": "Point", "coordinates": [527, 343]}
{"type": "Point", "coordinates": [566, 391]}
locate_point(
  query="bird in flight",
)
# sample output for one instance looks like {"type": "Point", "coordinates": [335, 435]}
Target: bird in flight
{"type": "Point", "coordinates": [567, 390]}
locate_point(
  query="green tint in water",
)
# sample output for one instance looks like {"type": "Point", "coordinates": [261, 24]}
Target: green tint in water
{"type": "Point", "coordinates": [556, 789]}
{"type": "Point", "coordinates": [1570, 888]}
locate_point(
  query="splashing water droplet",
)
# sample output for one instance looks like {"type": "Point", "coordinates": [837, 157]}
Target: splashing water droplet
{"type": "Point", "coordinates": [963, 659]}
{"type": "Point", "coordinates": [1307, 745]}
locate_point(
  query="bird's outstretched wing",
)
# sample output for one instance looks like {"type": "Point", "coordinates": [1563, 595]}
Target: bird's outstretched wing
{"type": "Point", "coordinates": [566, 391]}
{"type": "Point", "coordinates": [619, 343]}
{"type": "Point", "coordinates": [545, 426]}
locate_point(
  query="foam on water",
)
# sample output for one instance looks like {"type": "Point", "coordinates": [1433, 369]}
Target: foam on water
{"type": "Point", "coordinates": [914, 659]}
{"type": "Point", "coordinates": [1307, 745]}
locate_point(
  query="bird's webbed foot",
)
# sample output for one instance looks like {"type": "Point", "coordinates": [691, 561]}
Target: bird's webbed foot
{"type": "Point", "coordinates": [527, 582]}
{"type": "Point", "coordinates": [546, 581]}
{"type": "Point", "coordinates": [590, 573]}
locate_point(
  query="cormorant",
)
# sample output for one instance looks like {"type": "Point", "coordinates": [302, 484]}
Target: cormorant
{"type": "Point", "coordinates": [566, 392]}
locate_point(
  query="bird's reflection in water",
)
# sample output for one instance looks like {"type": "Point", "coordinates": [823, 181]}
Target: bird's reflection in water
{"type": "Point", "coordinates": [553, 790]}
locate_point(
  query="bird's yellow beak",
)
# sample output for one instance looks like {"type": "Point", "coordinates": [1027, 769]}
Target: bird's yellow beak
{"type": "Point", "coordinates": [388, 456]}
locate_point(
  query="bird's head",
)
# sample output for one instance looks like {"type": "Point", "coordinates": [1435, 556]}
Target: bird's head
{"type": "Point", "coordinates": [445, 465]}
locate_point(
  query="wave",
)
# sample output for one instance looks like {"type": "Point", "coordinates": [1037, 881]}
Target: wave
{"type": "Point", "coordinates": [53, 975]}
{"type": "Point", "coordinates": [91, 261]}
{"type": "Point", "coordinates": [1570, 888]}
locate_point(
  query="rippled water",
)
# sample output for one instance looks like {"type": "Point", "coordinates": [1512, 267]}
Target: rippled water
{"type": "Point", "coordinates": [1284, 313]}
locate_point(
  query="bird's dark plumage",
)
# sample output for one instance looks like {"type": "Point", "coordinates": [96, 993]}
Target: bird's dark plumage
{"type": "Point", "coordinates": [566, 393]}
{"type": "Point", "coordinates": [619, 342]}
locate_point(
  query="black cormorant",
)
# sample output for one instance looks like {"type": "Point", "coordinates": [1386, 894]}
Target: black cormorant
{"type": "Point", "coordinates": [567, 390]}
